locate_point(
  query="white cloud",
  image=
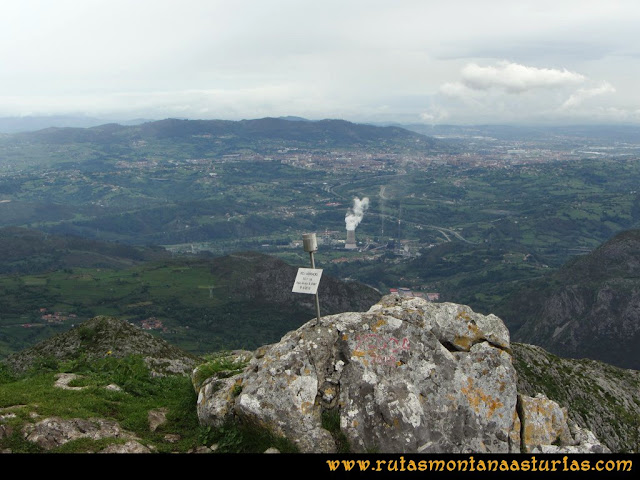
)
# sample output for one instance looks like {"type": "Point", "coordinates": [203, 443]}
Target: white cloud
{"type": "Point", "coordinates": [456, 90]}
{"type": "Point", "coordinates": [516, 78]}
{"type": "Point", "coordinates": [361, 60]}
{"type": "Point", "coordinates": [582, 94]}
{"type": "Point", "coordinates": [434, 116]}
{"type": "Point", "coordinates": [510, 92]}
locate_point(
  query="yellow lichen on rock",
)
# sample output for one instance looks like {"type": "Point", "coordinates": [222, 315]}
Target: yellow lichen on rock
{"type": "Point", "coordinates": [381, 322]}
{"type": "Point", "coordinates": [545, 422]}
{"type": "Point", "coordinates": [306, 408]}
{"type": "Point", "coordinates": [463, 343]}
{"type": "Point", "coordinates": [478, 398]}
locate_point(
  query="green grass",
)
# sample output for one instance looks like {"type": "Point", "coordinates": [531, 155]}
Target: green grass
{"type": "Point", "coordinates": [221, 364]}
{"type": "Point", "coordinates": [198, 301]}
{"type": "Point", "coordinates": [33, 396]}
{"type": "Point", "coordinates": [245, 438]}
{"type": "Point", "coordinates": [331, 423]}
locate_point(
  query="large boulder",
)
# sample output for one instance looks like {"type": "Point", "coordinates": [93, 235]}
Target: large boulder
{"type": "Point", "coordinates": [406, 376]}
{"type": "Point", "coordinates": [53, 432]}
{"type": "Point", "coordinates": [546, 429]}
{"type": "Point", "coordinates": [600, 397]}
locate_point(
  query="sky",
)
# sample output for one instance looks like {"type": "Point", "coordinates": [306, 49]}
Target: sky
{"type": "Point", "coordinates": [404, 61]}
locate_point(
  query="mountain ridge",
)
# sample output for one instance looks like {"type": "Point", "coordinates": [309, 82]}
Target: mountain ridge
{"type": "Point", "coordinates": [587, 308]}
{"type": "Point", "coordinates": [103, 337]}
{"type": "Point", "coordinates": [328, 133]}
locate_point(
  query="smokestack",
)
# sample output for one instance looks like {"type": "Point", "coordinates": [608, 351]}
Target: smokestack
{"type": "Point", "coordinates": [352, 219]}
{"type": "Point", "coordinates": [351, 240]}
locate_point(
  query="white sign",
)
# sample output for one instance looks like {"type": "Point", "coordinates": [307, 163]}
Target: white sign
{"type": "Point", "coordinates": [307, 280]}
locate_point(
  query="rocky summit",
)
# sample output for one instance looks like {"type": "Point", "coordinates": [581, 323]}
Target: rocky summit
{"type": "Point", "coordinates": [102, 337]}
{"type": "Point", "coordinates": [407, 376]}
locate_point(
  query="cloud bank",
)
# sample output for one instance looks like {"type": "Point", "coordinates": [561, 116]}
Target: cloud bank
{"type": "Point", "coordinates": [515, 78]}
{"type": "Point", "coordinates": [580, 95]}
{"type": "Point", "coordinates": [461, 61]}
{"type": "Point", "coordinates": [516, 92]}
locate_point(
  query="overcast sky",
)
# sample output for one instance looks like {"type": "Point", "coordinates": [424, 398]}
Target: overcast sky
{"type": "Point", "coordinates": [409, 61]}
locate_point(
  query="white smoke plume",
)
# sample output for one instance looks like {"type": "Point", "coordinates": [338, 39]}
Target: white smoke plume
{"type": "Point", "coordinates": [354, 214]}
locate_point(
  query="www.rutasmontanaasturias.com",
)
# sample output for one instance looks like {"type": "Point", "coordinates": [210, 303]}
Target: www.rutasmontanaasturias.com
{"type": "Point", "coordinates": [532, 464]}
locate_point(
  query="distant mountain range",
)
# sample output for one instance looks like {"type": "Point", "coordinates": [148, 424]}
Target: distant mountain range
{"type": "Point", "coordinates": [33, 123]}
{"type": "Point", "coordinates": [328, 132]}
{"type": "Point", "coordinates": [553, 134]}
{"type": "Point", "coordinates": [265, 134]}
{"type": "Point", "coordinates": [589, 308]}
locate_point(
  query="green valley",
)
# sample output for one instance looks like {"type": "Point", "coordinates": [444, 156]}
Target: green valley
{"type": "Point", "coordinates": [200, 304]}
{"type": "Point", "coordinates": [467, 217]}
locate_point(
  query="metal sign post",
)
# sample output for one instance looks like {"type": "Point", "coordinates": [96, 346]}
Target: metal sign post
{"type": "Point", "coordinates": [310, 244]}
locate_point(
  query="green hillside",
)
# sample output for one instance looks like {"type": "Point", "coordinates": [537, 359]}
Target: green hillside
{"type": "Point", "coordinates": [200, 304]}
{"type": "Point", "coordinates": [32, 251]}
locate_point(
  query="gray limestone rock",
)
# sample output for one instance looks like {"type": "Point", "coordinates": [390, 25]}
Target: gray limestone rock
{"type": "Point", "coordinates": [599, 397]}
{"type": "Point", "coordinates": [128, 447]}
{"type": "Point", "coordinates": [157, 417]}
{"type": "Point", "coordinates": [547, 429]}
{"type": "Point", "coordinates": [63, 380]}
{"type": "Point", "coordinates": [408, 376]}
{"type": "Point", "coordinates": [54, 431]}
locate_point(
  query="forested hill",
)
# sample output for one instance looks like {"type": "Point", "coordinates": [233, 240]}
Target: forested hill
{"type": "Point", "coordinates": [260, 135]}
{"type": "Point", "coordinates": [200, 303]}
{"type": "Point", "coordinates": [28, 251]}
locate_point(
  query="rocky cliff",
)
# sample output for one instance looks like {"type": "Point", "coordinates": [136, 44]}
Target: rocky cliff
{"type": "Point", "coordinates": [406, 376]}
{"type": "Point", "coordinates": [268, 280]}
{"type": "Point", "coordinates": [587, 309]}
